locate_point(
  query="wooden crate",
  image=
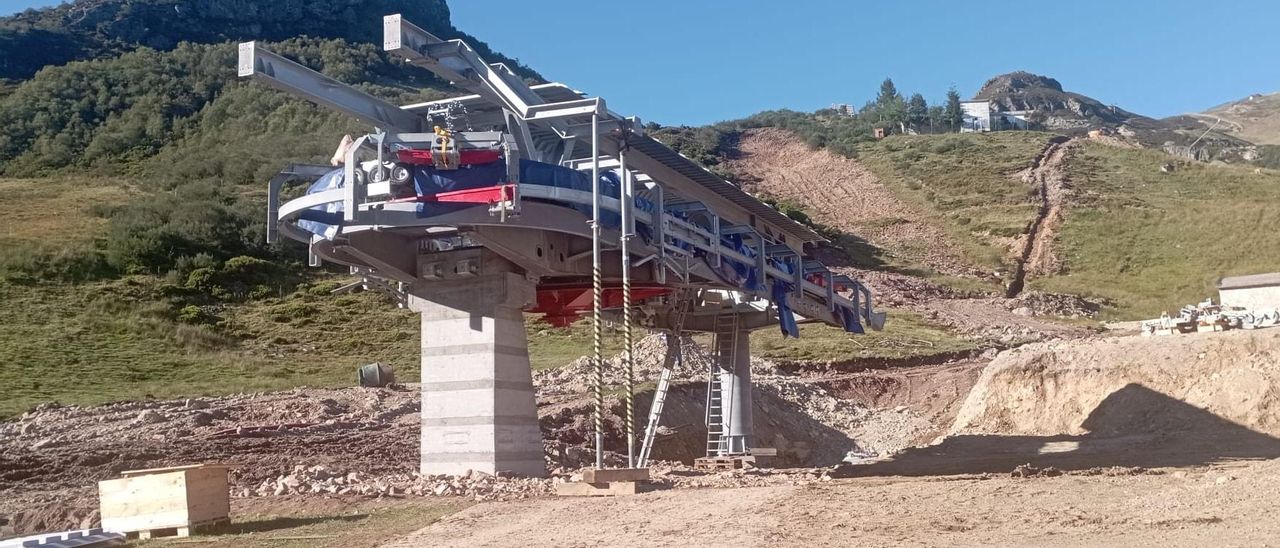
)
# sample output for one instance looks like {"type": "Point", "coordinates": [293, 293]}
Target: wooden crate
{"type": "Point", "coordinates": [155, 501]}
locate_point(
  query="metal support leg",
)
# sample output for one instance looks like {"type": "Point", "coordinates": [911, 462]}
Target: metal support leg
{"type": "Point", "coordinates": [596, 325]}
{"type": "Point", "coordinates": [735, 386]}
{"type": "Point", "coordinates": [627, 342]}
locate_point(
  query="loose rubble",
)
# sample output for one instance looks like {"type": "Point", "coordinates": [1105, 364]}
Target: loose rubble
{"type": "Point", "coordinates": [474, 485]}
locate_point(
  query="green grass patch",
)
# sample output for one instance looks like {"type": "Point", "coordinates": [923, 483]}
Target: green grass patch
{"type": "Point", "coordinates": [101, 342]}
{"type": "Point", "coordinates": [554, 347]}
{"type": "Point", "coordinates": [372, 526]}
{"type": "Point", "coordinates": [965, 183]}
{"type": "Point", "coordinates": [98, 342]}
{"type": "Point", "coordinates": [906, 335]}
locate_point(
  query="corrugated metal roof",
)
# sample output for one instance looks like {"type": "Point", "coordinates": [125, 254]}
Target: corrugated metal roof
{"type": "Point", "coordinates": [1253, 280]}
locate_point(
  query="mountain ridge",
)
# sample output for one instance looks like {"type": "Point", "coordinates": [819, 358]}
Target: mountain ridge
{"type": "Point", "coordinates": [93, 29]}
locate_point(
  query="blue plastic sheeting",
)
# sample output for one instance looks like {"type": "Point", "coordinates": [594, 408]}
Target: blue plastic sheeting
{"type": "Point", "coordinates": [786, 317]}
{"type": "Point", "coordinates": [428, 180]}
{"type": "Point", "coordinates": [849, 318]}
{"type": "Point", "coordinates": [737, 273]}
{"type": "Point", "coordinates": [539, 173]}
{"type": "Point", "coordinates": [323, 220]}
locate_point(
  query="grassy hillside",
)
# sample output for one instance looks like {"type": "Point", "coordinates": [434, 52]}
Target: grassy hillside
{"type": "Point", "coordinates": [1255, 118]}
{"type": "Point", "coordinates": [1155, 241]}
{"type": "Point", "coordinates": [98, 29]}
{"type": "Point", "coordinates": [1147, 241]}
{"type": "Point", "coordinates": [968, 183]}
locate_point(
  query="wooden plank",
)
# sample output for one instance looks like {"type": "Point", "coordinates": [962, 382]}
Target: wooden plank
{"type": "Point", "coordinates": [584, 489]}
{"type": "Point", "coordinates": [764, 451]}
{"type": "Point", "coordinates": [207, 495]}
{"type": "Point", "coordinates": [152, 501]}
{"type": "Point", "coordinates": [594, 475]}
{"type": "Point", "coordinates": [145, 471]}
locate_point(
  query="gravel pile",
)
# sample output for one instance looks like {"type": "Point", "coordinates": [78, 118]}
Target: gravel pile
{"type": "Point", "coordinates": [650, 353]}
{"type": "Point", "coordinates": [474, 485]}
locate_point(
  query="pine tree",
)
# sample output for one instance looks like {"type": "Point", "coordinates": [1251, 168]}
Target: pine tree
{"type": "Point", "coordinates": [953, 115]}
{"type": "Point", "coordinates": [917, 111]}
{"type": "Point", "coordinates": [888, 94]}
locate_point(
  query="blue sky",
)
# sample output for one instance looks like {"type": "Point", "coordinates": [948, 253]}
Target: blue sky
{"type": "Point", "coordinates": [694, 62]}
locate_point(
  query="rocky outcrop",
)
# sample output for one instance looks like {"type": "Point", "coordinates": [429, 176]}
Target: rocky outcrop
{"type": "Point", "coordinates": [1062, 110]}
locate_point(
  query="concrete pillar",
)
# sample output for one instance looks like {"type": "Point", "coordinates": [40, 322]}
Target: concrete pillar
{"type": "Point", "coordinates": [478, 410]}
{"type": "Point", "coordinates": [735, 389]}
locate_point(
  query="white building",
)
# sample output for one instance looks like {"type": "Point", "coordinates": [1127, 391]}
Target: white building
{"type": "Point", "coordinates": [1257, 291]}
{"type": "Point", "coordinates": [978, 117]}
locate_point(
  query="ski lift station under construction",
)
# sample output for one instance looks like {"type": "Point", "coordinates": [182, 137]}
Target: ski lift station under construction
{"type": "Point", "coordinates": [538, 199]}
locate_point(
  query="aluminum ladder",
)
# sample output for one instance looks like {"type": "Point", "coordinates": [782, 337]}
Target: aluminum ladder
{"type": "Point", "coordinates": [726, 343]}
{"type": "Point", "coordinates": [664, 380]}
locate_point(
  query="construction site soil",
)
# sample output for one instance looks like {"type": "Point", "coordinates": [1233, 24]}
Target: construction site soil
{"type": "Point", "coordinates": [1135, 438]}
{"type": "Point", "coordinates": [363, 441]}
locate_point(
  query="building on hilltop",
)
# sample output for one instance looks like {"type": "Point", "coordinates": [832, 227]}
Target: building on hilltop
{"type": "Point", "coordinates": [979, 117]}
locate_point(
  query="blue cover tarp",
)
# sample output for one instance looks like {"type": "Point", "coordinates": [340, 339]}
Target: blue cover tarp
{"type": "Point", "coordinates": [786, 317]}
{"type": "Point", "coordinates": [324, 220]}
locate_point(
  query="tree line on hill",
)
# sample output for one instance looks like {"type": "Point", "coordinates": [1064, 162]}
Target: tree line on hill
{"type": "Point", "coordinates": [896, 113]}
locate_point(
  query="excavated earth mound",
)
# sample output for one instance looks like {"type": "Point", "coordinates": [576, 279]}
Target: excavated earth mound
{"type": "Point", "coordinates": [1130, 385]}
{"type": "Point", "coordinates": [1096, 404]}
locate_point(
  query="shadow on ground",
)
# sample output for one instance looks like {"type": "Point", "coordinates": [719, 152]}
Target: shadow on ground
{"type": "Point", "coordinates": [1133, 427]}
{"type": "Point", "coordinates": [275, 524]}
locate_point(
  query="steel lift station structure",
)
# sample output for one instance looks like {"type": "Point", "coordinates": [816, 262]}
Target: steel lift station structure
{"type": "Point", "coordinates": [539, 199]}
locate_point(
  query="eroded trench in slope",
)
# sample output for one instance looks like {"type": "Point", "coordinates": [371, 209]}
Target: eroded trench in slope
{"type": "Point", "coordinates": [1048, 175]}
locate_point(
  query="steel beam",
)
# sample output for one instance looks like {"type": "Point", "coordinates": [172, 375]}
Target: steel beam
{"type": "Point", "coordinates": [290, 77]}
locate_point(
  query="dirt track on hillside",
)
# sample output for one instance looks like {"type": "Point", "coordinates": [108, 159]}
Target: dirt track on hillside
{"type": "Point", "coordinates": [839, 192]}
{"type": "Point", "coordinates": [1049, 178]}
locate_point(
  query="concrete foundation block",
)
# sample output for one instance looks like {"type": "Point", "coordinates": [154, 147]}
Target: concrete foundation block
{"type": "Point", "coordinates": [478, 409]}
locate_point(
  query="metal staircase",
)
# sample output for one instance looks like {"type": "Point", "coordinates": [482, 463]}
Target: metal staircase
{"type": "Point", "coordinates": [726, 344]}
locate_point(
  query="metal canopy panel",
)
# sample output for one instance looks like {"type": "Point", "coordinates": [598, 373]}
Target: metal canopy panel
{"type": "Point", "coordinates": [559, 93]}
{"type": "Point", "coordinates": [696, 173]}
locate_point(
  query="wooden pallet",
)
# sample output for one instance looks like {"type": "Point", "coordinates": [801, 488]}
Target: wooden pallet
{"type": "Point", "coordinates": [718, 463]}
{"type": "Point", "coordinates": [146, 534]}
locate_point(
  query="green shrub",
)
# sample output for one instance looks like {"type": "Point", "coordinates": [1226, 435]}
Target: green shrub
{"type": "Point", "coordinates": [292, 312]}
{"type": "Point", "coordinates": [195, 315]}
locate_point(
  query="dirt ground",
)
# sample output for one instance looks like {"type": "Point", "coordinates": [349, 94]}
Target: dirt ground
{"type": "Point", "coordinates": [1106, 441]}
{"type": "Point", "coordinates": [359, 441]}
{"type": "Point", "coordinates": [1097, 441]}
{"type": "Point", "coordinates": [1222, 505]}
